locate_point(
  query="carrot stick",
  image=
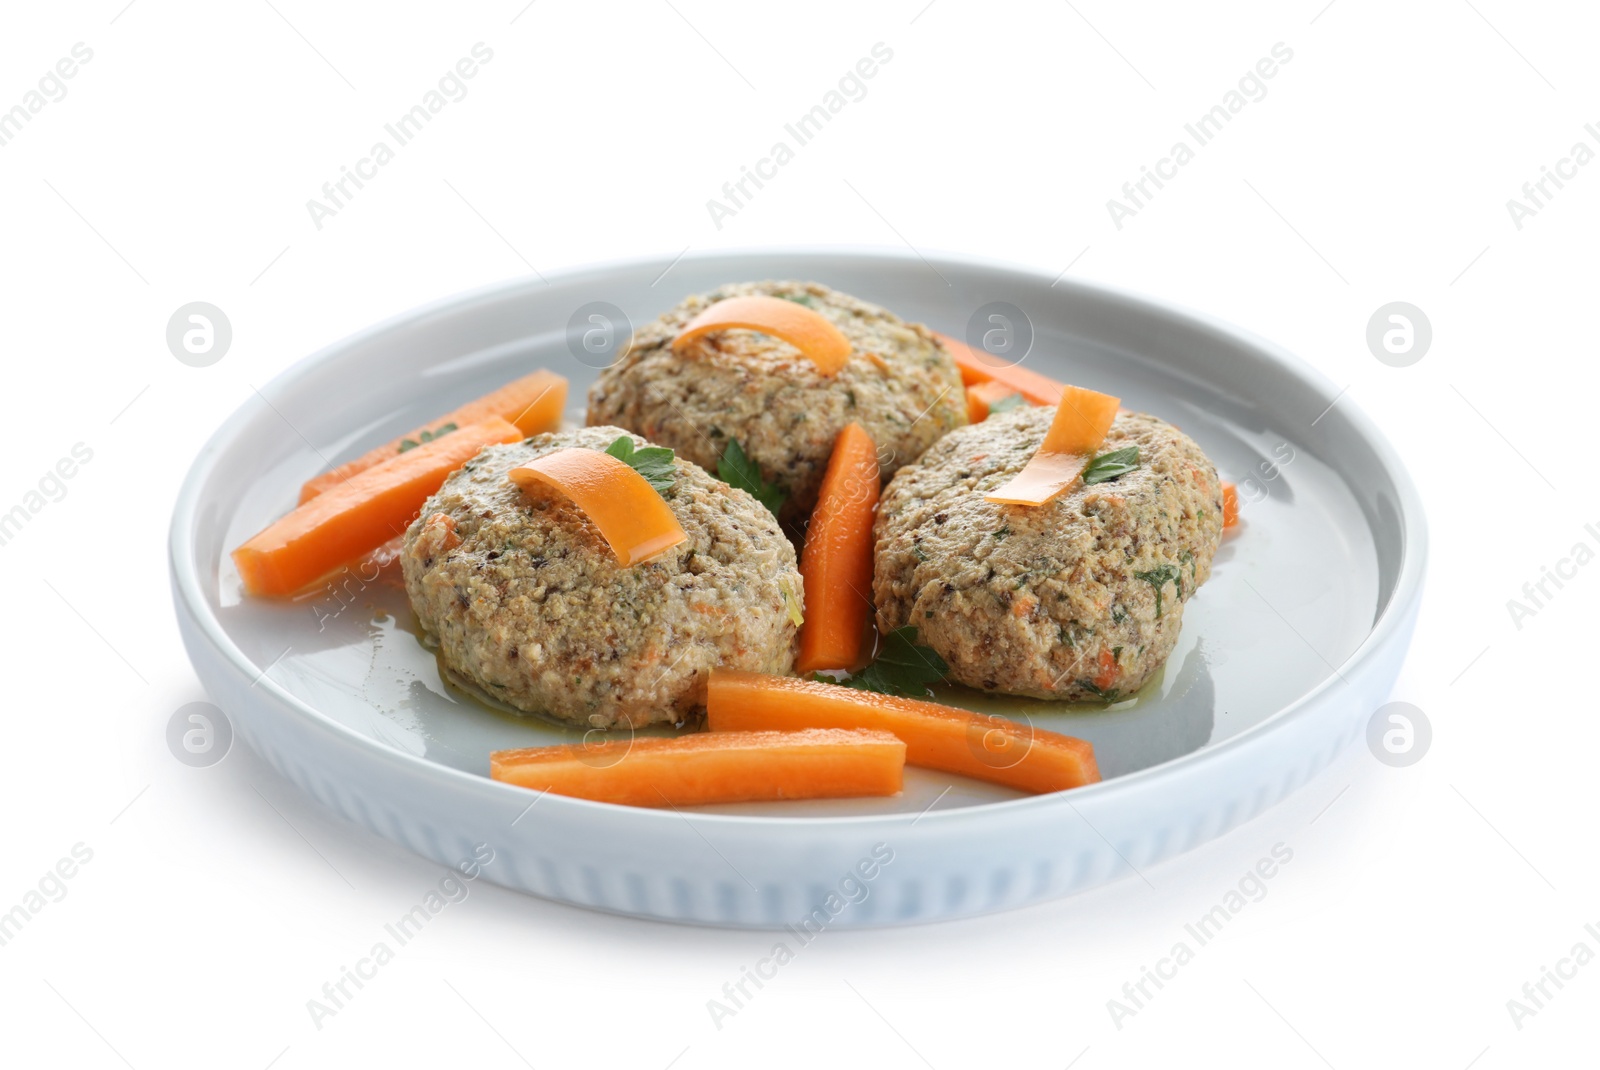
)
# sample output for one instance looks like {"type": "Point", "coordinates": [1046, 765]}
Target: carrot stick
{"type": "Point", "coordinates": [1230, 505]}
{"type": "Point", "coordinates": [632, 517]}
{"type": "Point", "coordinates": [360, 514]}
{"type": "Point", "coordinates": [807, 330]}
{"type": "Point", "coordinates": [711, 767]}
{"type": "Point", "coordinates": [937, 737]}
{"type": "Point", "coordinates": [982, 396]}
{"type": "Point", "coordinates": [534, 403]}
{"type": "Point", "coordinates": [836, 562]}
{"type": "Point", "coordinates": [978, 368]}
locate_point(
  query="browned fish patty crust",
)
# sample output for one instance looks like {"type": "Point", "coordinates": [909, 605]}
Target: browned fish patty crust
{"type": "Point", "coordinates": [528, 602]}
{"type": "Point", "coordinates": [1078, 599]}
{"type": "Point", "coordinates": [899, 384]}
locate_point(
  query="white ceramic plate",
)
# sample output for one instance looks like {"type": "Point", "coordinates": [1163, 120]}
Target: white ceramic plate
{"type": "Point", "coordinates": [1297, 637]}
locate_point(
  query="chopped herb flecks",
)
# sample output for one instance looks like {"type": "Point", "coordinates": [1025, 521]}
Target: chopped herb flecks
{"type": "Point", "coordinates": [1159, 578]}
{"type": "Point", "coordinates": [426, 436]}
{"type": "Point", "coordinates": [1106, 695]}
{"type": "Point", "coordinates": [1006, 404]}
{"type": "Point", "coordinates": [738, 470]}
{"type": "Point", "coordinates": [1109, 466]}
{"type": "Point", "coordinates": [902, 667]}
{"type": "Point", "coordinates": [655, 463]}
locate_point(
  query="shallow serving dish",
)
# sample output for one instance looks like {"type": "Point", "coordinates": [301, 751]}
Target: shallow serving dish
{"type": "Point", "coordinates": [1295, 640]}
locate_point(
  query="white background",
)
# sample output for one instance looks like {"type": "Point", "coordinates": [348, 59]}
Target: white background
{"type": "Point", "coordinates": [1378, 167]}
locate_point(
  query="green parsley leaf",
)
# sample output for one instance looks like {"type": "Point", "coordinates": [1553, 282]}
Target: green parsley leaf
{"type": "Point", "coordinates": [1109, 466]}
{"type": "Point", "coordinates": [902, 667]}
{"type": "Point", "coordinates": [1006, 404]}
{"type": "Point", "coordinates": [738, 470]}
{"type": "Point", "coordinates": [426, 436]}
{"type": "Point", "coordinates": [1106, 695]}
{"type": "Point", "coordinates": [655, 463]}
{"type": "Point", "coordinates": [803, 299]}
{"type": "Point", "coordinates": [1159, 578]}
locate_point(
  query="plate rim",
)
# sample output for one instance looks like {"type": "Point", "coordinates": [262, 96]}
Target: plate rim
{"type": "Point", "coordinates": [1391, 625]}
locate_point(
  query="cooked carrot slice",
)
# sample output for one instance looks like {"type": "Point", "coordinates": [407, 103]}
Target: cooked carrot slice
{"type": "Point", "coordinates": [1044, 477]}
{"type": "Point", "coordinates": [807, 330]}
{"type": "Point", "coordinates": [982, 396]}
{"type": "Point", "coordinates": [977, 368]}
{"type": "Point", "coordinates": [937, 737]}
{"type": "Point", "coordinates": [1107, 676]}
{"type": "Point", "coordinates": [630, 514]}
{"type": "Point", "coordinates": [360, 514]}
{"type": "Point", "coordinates": [711, 767]}
{"type": "Point", "coordinates": [1082, 419]}
{"type": "Point", "coordinates": [1230, 505]}
{"type": "Point", "coordinates": [534, 403]}
{"type": "Point", "coordinates": [836, 562]}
